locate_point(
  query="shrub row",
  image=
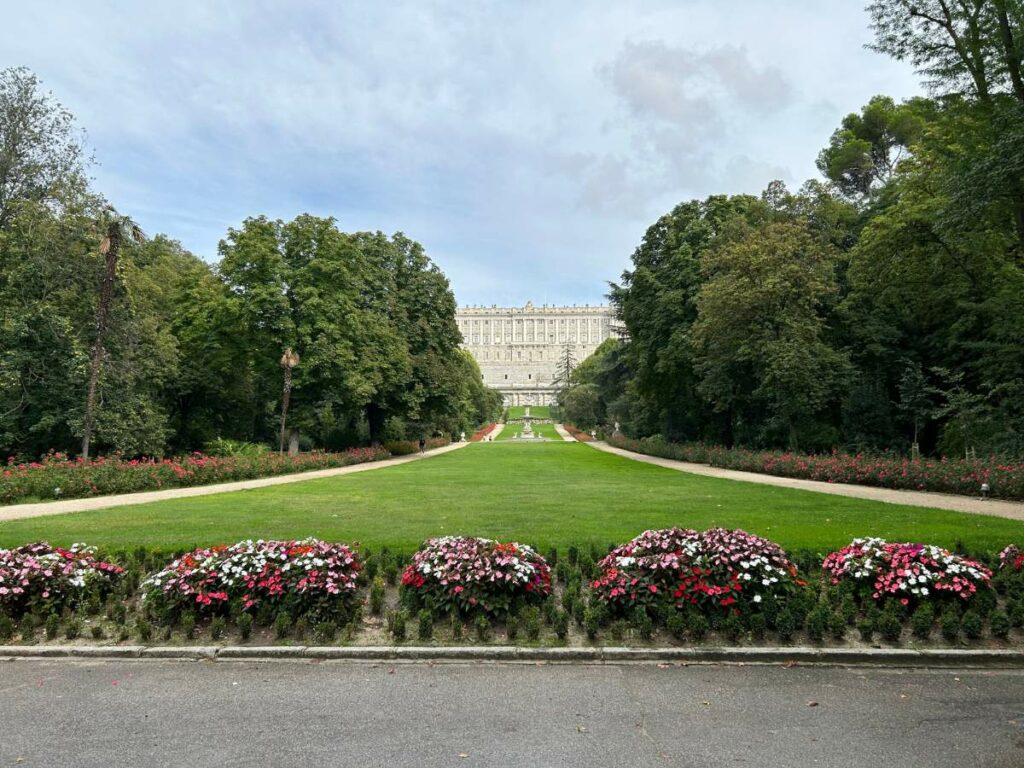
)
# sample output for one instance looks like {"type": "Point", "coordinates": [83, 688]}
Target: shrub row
{"type": "Point", "coordinates": [57, 477]}
{"type": "Point", "coordinates": [961, 476]}
{"type": "Point", "coordinates": [677, 582]}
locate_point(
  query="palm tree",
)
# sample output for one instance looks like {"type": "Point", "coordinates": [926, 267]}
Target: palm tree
{"type": "Point", "coordinates": [119, 229]}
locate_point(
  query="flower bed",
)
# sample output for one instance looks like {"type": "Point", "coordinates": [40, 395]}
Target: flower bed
{"type": "Point", "coordinates": [906, 571]}
{"type": "Point", "coordinates": [578, 434]}
{"type": "Point", "coordinates": [39, 577]}
{"type": "Point", "coordinates": [715, 569]}
{"type": "Point", "coordinates": [1005, 479]}
{"type": "Point", "coordinates": [57, 477]}
{"type": "Point", "coordinates": [458, 574]}
{"type": "Point", "coordinates": [304, 577]}
{"type": "Point", "coordinates": [1011, 558]}
{"type": "Point", "coordinates": [481, 433]}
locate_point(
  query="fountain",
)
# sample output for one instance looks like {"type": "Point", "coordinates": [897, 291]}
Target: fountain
{"type": "Point", "coordinates": [527, 433]}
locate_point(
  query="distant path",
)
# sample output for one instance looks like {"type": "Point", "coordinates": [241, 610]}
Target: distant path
{"type": "Point", "coordinates": [564, 433]}
{"type": "Point", "coordinates": [18, 511]}
{"type": "Point", "coordinates": [493, 434]}
{"type": "Point", "coordinates": [1009, 509]}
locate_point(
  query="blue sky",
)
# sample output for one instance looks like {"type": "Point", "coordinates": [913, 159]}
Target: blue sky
{"type": "Point", "coordinates": [526, 144]}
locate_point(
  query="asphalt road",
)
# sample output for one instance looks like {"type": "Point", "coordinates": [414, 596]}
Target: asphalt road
{"type": "Point", "coordinates": [77, 714]}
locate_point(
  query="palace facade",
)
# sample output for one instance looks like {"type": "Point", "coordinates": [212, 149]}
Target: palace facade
{"type": "Point", "coordinates": [519, 348]}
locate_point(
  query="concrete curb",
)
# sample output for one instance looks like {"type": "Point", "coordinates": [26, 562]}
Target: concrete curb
{"type": "Point", "coordinates": [803, 655]}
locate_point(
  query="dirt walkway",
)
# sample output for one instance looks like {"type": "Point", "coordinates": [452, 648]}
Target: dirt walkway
{"type": "Point", "coordinates": [18, 511]}
{"type": "Point", "coordinates": [564, 433]}
{"type": "Point", "coordinates": [975, 506]}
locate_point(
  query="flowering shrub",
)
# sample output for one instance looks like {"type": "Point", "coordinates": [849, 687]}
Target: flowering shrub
{"type": "Point", "coordinates": [1005, 479]}
{"type": "Point", "coordinates": [718, 568]}
{"type": "Point", "coordinates": [309, 576]}
{"type": "Point", "coordinates": [57, 477]}
{"type": "Point", "coordinates": [906, 571]}
{"type": "Point", "coordinates": [38, 574]}
{"type": "Point", "coordinates": [1011, 558]}
{"type": "Point", "coordinates": [455, 573]}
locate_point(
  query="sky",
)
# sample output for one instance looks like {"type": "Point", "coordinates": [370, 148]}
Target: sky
{"type": "Point", "coordinates": [526, 144]}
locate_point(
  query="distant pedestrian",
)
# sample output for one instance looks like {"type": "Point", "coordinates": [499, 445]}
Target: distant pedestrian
{"type": "Point", "coordinates": [423, 444]}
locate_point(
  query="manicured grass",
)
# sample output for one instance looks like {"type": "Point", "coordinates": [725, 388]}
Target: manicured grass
{"type": "Point", "coordinates": [543, 430]}
{"type": "Point", "coordinates": [510, 431]}
{"type": "Point", "coordinates": [538, 411]}
{"type": "Point", "coordinates": [545, 494]}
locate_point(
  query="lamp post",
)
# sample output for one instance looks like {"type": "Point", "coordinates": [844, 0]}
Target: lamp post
{"type": "Point", "coordinates": [288, 361]}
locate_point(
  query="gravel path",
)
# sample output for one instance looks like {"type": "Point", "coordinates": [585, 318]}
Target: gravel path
{"type": "Point", "coordinates": [975, 506]}
{"type": "Point", "coordinates": [564, 433]}
{"type": "Point", "coordinates": [18, 511]}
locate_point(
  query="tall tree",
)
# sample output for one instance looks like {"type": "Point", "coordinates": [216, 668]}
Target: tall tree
{"type": "Point", "coordinates": [118, 230]}
{"type": "Point", "coordinates": [42, 155]}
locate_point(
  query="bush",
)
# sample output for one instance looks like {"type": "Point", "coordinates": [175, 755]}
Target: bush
{"type": "Point", "coordinates": [72, 628]}
{"type": "Point", "coordinates": [866, 629]}
{"type": "Point", "coordinates": [905, 571]}
{"type": "Point", "coordinates": [44, 578]}
{"type": "Point", "coordinates": [715, 569]}
{"type": "Point", "coordinates": [971, 624]}
{"type": "Point", "coordinates": [377, 596]}
{"type": "Point", "coordinates": [785, 625]}
{"type": "Point", "coordinates": [424, 625]}
{"type": "Point", "coordinates": [457, 574]}
{"type": "Point", "coordinates": [244, 624]}
{"type": "Point", "coordinates": [483, 629]}
{"type": "Point", "coordinates": [950, 625]}
{"type": "Point", "coordinates": [6, 627]}
{"type": "Point", "coordinates": [999, 624]}
{"type": "Point", "coordinates": [396, 625]}
{"type": "Point", "coordinates": [223, 447]}
{"type": "Point", "coordinates": [299, 577]}
{"type": "Point", "coordinates": [217, 628]}
{"type": "Point", "coordinates": [561, 625]}
{"type": "Point", "coordinates": [922, 620]}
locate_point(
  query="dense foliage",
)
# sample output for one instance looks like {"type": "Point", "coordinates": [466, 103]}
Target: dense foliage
{"type": "Point", "coordinates": [183, 352]}
{"type": "Point", "coordinates": [713, 569]}
{"type": "Point", "coordinates": [42, 578]}
{"type": "Point", "coordinates": [460, 574]}
{"type": "Point", "coordinates": [56, 477]}
{"type": "Point", "coordinates": [880, 309]}
{"type": "Point", "coordinates": [906, 571]}
{"type": "Point", "coordinates": [308, 576]}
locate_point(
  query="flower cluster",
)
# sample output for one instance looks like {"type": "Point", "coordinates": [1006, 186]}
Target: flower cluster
{"type": "Point", "coordinates": [578, 434]}
{"type": "Point", "coordinates": [456, 573]}
{"type": "Point", "coordinates": [481, 433]}
{"type": "Point", "coordinates": [308, 576]}
{"type": "Point", "coordinates": [58, 477]}
{"type": "Point", "coordinates": [963, 476]}
{"type": "Point", "coordinates": [718, 568]}
{"type": "Point", "coordinates": [37, 574]}
{"type": "Point", "coordinates": [1011, 558]}
{"type": "Point", "coordinates": [906, 571]}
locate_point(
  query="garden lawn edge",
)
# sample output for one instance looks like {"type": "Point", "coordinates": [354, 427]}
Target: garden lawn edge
{"type": "Point", "coordinates": [785, 655]}
{"type": "Point", "coordinates": [1013, 510]}
{"type": "Point", "coordinates": [43, 508]}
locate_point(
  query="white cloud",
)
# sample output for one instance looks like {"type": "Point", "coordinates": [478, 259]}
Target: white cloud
{"type": "Point", "coordinates": [496, 133]}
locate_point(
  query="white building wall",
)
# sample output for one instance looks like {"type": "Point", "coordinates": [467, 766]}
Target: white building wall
{"type": "Point", "coordinates": [518, 348]}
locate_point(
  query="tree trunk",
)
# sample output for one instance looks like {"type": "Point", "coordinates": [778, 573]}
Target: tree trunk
{"type": "Point", "coordinates": [285, 399]}
{"type": "Point", "coordinates": [375, 420]}
{"type": "Point", "coordinates": [102, 313]}
{"type": "Point", "coordinates": [293, 443]}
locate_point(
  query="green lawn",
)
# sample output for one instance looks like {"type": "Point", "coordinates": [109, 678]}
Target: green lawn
{"type": "Point", "coordinates": [543, 430]}
{"type": "Point", "coordinates": [545, 494]}
{"type": "Point", "coordinates": [539, 411]}
{"type": "Point", "coordinates": [509, 431]}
